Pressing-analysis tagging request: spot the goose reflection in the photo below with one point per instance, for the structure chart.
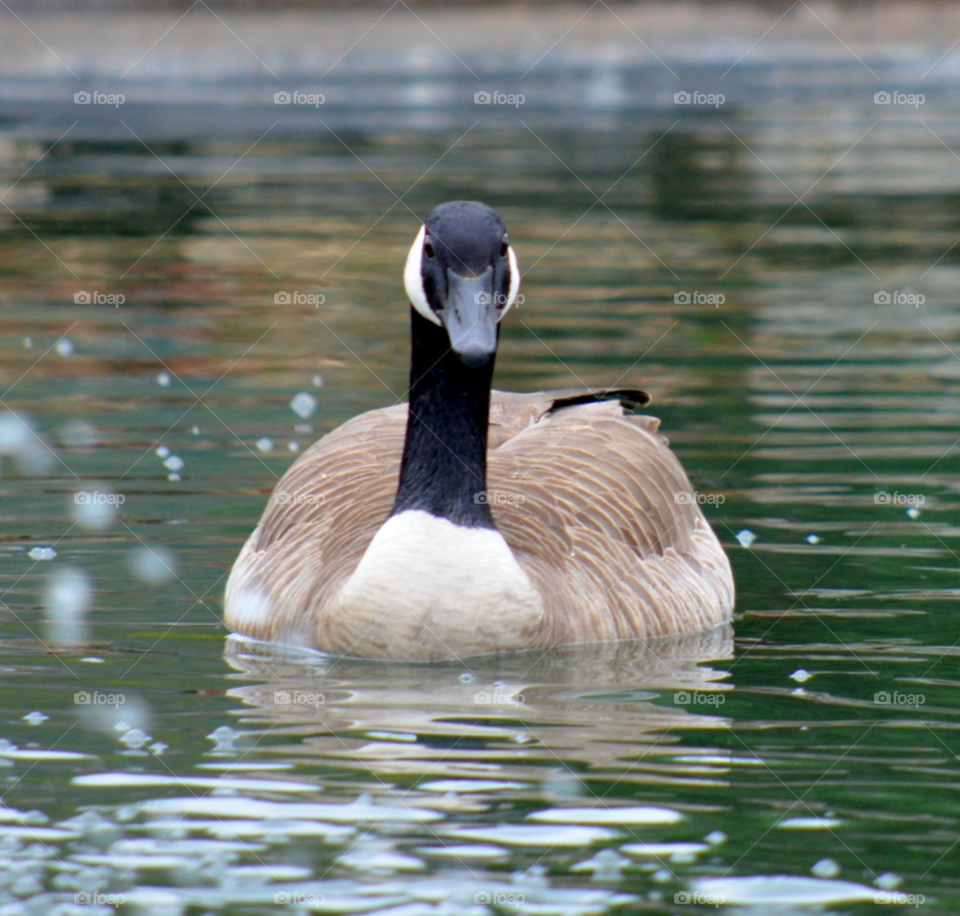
(537, 719)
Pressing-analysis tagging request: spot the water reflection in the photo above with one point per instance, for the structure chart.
(542, 720)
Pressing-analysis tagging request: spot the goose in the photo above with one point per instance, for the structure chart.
(472, 521)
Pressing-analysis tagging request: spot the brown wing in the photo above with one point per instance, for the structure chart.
(582, 492)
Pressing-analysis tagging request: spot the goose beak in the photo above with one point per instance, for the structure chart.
(470, 317)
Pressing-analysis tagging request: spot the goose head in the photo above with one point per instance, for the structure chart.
(462, 275)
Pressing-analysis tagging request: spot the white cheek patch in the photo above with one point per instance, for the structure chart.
(413, 279)
(514, 280)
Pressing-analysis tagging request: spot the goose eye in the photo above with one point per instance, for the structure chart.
(428, 251)
(504, 248)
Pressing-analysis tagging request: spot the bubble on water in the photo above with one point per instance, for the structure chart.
(223, 739)
(174, 478)
(92, 660)
(158, 748)
(64, 347)
(195, 430)
(28, 343)
(135, 738)
(79, 434)
(716, 838)
(745, 537)
(303, 404)
(67, 599)
(913, 512)
(467, 678)
(173, 463)
(164, 380)
(293, 446)
(825, 868)
(163, 451)
(606, 865)
(662, 876)
(813, 539)
(153, 564)
(42, 553)
(318, 381)
(35, 717)
(117, 719)
(798, 692)
(19, 441)
(888, 881)
(95, 508)
(265, 444)
(801, 676)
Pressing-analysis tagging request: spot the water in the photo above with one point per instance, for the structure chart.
(806, 755)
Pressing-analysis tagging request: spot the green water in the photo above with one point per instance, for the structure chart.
(857, 593)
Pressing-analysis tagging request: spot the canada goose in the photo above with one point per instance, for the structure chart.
(474, 521)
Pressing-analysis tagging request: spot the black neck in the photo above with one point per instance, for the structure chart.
(444, 465)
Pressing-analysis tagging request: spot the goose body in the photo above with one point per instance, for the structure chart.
(472, 521)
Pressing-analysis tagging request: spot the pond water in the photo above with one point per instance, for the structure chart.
(805, 362)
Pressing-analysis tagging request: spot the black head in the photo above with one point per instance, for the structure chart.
(462, 274)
